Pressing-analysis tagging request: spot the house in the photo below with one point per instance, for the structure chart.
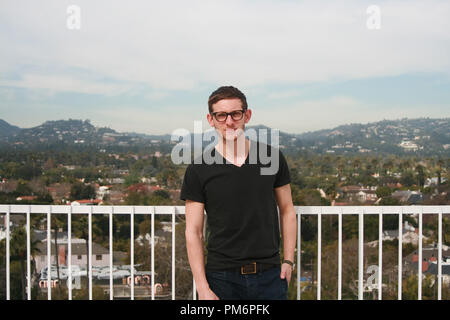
(433, 270)
(407, 196)
(362, 195)
(429, 261)
(161, 237)
(103, 191)
(335, 203)
(175, 194)
(433, 181)
(59, 192)
(15, 221)
(145, 180)
(394, 185)
(139, 188)
(87, 202)
(26, 198)
(100, 255)
(409, 234)
(116, 197)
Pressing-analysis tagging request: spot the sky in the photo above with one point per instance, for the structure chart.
(149, 66)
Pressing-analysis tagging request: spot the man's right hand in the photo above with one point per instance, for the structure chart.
(207, 294)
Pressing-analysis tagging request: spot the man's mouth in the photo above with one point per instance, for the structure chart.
(231, 133)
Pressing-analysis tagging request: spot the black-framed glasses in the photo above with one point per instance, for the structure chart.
(221, 116)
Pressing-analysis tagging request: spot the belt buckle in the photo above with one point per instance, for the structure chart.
(249, 268)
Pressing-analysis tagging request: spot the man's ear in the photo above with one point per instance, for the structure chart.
(210, 119)
(248, 115)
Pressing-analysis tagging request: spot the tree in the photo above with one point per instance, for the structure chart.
(420, 175)
(387, 166)
(57, 223)
(439, 163)
(389, 201)
(80, 228)
(23, 189)
(81, 191)
(19, 252)
(407, 179)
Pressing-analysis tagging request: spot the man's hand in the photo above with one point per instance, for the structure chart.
(207, 294)
(286, 272)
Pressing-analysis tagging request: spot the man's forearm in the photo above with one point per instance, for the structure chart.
(196, 256)
(289, 232)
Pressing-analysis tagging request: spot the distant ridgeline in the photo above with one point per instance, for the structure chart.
(421, 137)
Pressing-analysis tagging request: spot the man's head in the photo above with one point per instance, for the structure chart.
(228, 112)
(226, 92)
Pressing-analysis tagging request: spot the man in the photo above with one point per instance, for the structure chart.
(243, 259)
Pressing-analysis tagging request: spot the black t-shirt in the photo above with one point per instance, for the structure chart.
(240, 204)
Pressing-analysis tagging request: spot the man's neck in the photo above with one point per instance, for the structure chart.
(235, 151)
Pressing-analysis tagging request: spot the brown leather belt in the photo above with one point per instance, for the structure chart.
(253, 268)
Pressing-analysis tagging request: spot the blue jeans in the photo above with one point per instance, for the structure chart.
(231, 285)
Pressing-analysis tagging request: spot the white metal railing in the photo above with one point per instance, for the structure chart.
(361, 211)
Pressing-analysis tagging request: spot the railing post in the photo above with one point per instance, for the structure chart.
(299, 250)
(319, 253)
(380, 254)
(194, 290)
(400, 253)
(49, 255)
(8, 280)
(340, 255)
(173, 253)
(440, 254)
(361, 255)
(132, 252)
(153, 250)
(28, 253)
(69, 250)
(111, 254)
(90, 251)
(419, 262)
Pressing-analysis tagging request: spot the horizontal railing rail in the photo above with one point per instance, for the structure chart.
(173, 211)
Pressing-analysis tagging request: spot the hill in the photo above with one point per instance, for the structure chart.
(422, 136)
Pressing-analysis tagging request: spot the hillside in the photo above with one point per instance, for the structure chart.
(422, 136)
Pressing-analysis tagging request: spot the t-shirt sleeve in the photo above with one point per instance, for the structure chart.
(282, 177)
(192, 188)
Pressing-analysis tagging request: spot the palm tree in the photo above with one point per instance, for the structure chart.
(57, 223)
(387, 166)
(440, 163)
(356, 164)
(80, 227)
(19, 252)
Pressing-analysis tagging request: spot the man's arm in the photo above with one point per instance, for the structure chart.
(194, 245)
(288, 221)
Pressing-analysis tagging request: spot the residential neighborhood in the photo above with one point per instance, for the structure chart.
(141, 173)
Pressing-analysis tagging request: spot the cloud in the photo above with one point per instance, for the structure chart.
(148, 66)
(309, 115)
(66, 83)
(179, 45)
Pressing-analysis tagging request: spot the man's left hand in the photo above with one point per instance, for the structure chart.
(286, 272)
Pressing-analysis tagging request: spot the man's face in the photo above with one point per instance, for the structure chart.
(229, 129)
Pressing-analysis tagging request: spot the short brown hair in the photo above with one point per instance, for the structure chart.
(226, 92)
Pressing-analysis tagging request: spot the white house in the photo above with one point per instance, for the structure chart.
(99, 258)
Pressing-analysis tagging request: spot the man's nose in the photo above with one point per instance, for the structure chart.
(229, 119)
